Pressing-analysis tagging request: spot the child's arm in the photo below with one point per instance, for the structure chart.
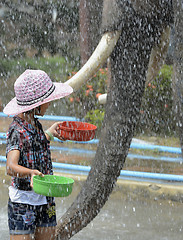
(54, 131)
(14, 169)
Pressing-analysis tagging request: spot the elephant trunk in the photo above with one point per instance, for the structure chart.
(129, 62)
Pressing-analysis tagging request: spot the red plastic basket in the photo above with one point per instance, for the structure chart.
(77, 131)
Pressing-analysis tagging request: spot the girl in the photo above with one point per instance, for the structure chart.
(30, 215)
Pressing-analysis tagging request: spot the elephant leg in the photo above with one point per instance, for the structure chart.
(178, 66)
(158, 55)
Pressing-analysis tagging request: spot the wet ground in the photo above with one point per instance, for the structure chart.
(123, 217)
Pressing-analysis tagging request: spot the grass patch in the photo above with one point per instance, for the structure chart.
(160, 140)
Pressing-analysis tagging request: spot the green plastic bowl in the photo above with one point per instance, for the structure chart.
(53, 186)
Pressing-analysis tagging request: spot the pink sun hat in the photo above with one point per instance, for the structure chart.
(34, 88)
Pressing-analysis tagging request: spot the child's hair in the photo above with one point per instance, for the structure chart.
(35, 111)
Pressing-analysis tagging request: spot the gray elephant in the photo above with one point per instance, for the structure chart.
(132, 29)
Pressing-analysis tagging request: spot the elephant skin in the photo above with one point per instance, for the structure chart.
(141, 24)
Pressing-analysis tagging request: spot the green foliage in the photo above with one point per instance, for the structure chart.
(5, 67)
(57, 67)
(166, 72)
(86, 98)
(95, 117)
(157, 113)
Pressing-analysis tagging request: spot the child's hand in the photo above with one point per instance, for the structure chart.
(55, 131)
(34, 173)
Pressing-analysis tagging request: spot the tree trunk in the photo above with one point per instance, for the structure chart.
(95, 12)
(84, 31)
(90, 14)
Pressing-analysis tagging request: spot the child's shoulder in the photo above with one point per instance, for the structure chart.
(15, 126)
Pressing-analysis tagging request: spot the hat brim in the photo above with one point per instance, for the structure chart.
(61, 90)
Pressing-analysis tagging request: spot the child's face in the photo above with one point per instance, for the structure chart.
(43, 109)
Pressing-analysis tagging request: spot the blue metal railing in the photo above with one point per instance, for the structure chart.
(133, 145)
(96, 141)
(78, 169)
(91, 153)
(50, 117)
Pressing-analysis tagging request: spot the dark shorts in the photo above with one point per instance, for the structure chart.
(23, 218)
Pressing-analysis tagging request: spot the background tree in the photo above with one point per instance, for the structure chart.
(42, 25)
(90, 14)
